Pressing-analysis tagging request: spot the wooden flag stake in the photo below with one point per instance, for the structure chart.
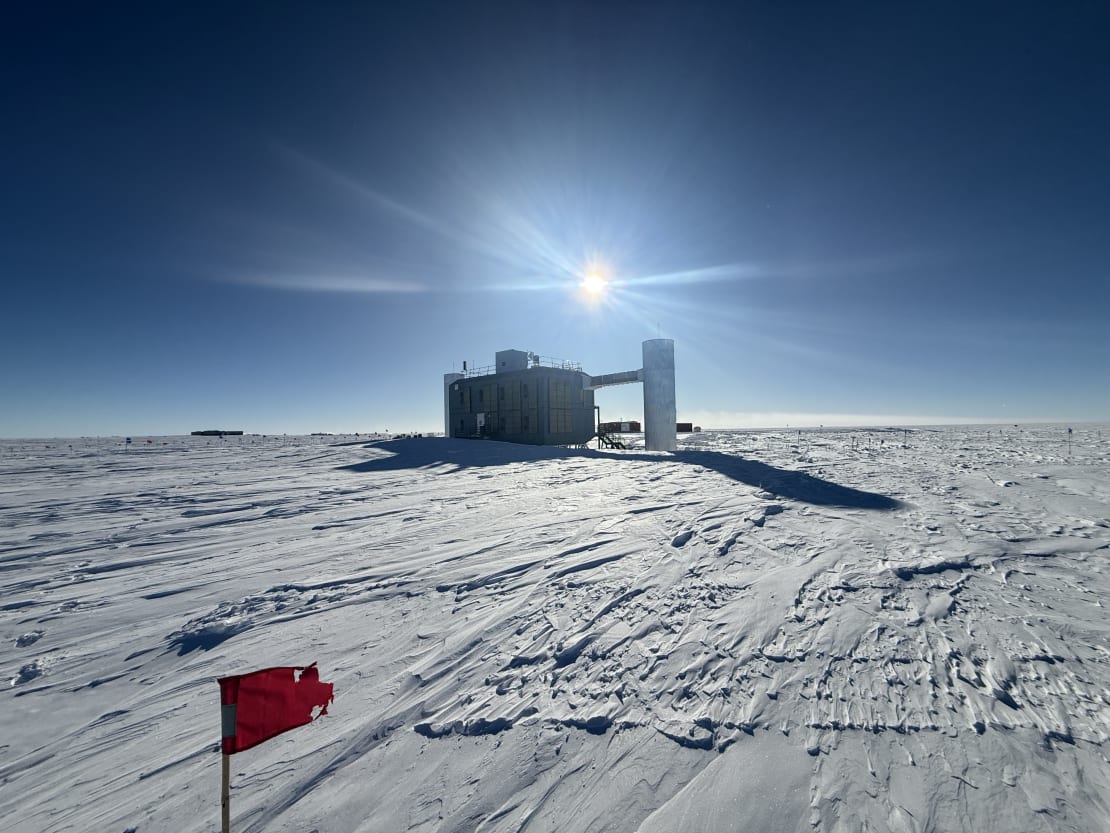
(225, 795)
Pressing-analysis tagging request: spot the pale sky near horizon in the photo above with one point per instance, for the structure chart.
(293, 218)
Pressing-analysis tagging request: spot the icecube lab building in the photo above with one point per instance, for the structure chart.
(524, 398)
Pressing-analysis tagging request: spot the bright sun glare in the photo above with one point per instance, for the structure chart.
(594, 284)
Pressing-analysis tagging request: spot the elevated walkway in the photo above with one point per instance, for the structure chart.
(625, 377)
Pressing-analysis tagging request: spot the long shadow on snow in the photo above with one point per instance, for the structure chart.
(462, 454)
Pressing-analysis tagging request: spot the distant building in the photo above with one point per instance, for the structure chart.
(217, 432)
(629, 427)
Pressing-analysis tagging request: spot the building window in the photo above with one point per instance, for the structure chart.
(524, 423)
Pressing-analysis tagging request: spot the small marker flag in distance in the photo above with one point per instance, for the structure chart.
(257, 706)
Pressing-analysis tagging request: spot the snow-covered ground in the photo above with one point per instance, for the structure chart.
(767, 631)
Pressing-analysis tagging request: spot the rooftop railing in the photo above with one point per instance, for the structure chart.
(533, 362)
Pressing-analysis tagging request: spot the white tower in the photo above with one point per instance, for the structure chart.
(660, 412)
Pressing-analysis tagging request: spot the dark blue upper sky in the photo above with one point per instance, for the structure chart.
(298, 218)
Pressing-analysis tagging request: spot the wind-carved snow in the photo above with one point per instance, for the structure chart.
(765, 631)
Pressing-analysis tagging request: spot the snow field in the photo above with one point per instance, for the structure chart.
(779, 631)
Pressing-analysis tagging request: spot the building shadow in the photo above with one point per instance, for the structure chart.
(449, 455)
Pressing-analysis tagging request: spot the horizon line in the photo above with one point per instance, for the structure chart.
(439, 433)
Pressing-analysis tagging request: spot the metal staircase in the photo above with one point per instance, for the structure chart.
(606, 440)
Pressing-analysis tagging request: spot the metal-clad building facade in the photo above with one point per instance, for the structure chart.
(522, 404)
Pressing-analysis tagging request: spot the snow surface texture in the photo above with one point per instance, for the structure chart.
(776, 631)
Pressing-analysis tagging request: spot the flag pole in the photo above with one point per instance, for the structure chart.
(225, 794)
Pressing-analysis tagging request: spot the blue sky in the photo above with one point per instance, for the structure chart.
(292, 218)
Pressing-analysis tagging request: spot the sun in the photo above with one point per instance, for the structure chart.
(594, 284)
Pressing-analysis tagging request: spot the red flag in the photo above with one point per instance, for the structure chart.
(259, 705)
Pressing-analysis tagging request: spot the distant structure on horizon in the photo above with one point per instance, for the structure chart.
(217, 432)
(630, 426)
(526, 398)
